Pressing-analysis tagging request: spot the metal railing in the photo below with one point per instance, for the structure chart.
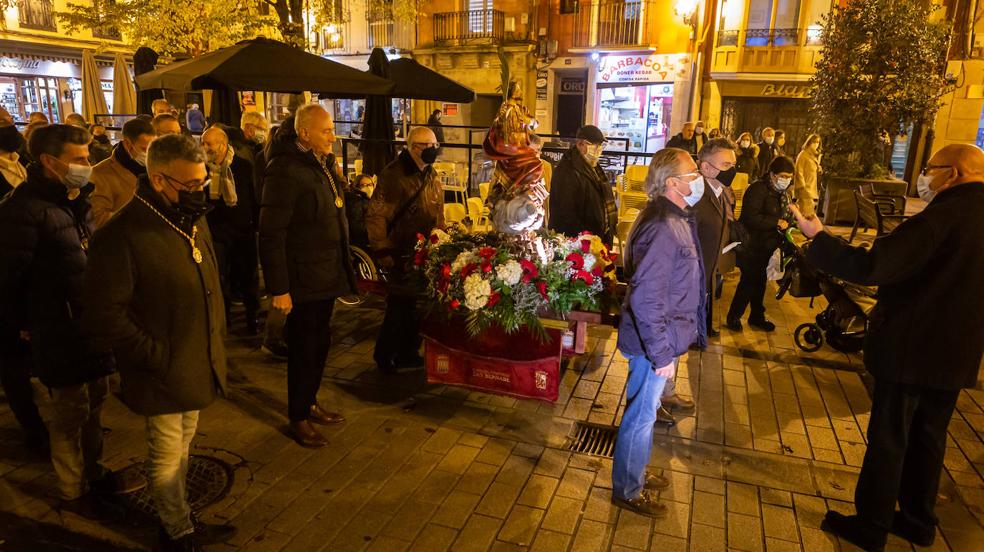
(768, 37)
(471, 25)
(613, 23)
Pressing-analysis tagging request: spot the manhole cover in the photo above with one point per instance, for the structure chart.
(209, 480)
(598, 440)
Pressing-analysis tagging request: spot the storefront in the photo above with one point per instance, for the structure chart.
(51, 87)
(752, 106)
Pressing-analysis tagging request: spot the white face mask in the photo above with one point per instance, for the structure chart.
(141, 158)
(260, 136)
(922, 188)
(696, 191)
(769, 140)
(746, 143)
(76, 177)
(593, 154)
(783, 183)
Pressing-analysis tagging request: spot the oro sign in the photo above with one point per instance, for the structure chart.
(643, 68)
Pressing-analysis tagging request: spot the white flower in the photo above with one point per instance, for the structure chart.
(477, 291)
(442, 237)
(462, 259)
(510, 272)
(589, 261)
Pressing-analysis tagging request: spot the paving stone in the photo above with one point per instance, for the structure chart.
(552, 462)
(677, 521)
(409, 520)
(592, 536)
(704, 538)
(495, 452)
(436, 486)
(477, 535)
(586, 389)
(499, 500)
(455, 509)
(633, 530)
(458, 459)
(776, 545)
(442, 440)
(388, 544)
(538, 491)
(709, 484)
(516, 470)
(521, 525)
(549, 541)
(477, 478)
(777, 497)
(708, 509)
(576, 483)
(743, 499)
(528, 450)
(473, 440)
(824, 455)
(779, 522)
(600, 507)
(563, 515)
(745, 532)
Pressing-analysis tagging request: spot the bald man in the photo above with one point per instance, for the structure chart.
(924, 344)
(304, 248)
(233, 222)
(408, 200)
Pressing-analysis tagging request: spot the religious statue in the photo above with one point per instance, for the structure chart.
(517, 191)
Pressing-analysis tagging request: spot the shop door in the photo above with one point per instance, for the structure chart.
(48, 92)
(570, 114)
(753, 114)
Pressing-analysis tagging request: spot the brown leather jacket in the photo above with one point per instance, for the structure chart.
(398, 183)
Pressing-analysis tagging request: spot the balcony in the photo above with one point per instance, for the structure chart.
(766, 51)
(472, 26)
(614, 23)
(384, 32)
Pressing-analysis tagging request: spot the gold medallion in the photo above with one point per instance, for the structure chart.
(196, 254)
(338, 202)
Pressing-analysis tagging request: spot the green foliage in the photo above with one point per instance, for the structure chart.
(171, 27)
(882, 67)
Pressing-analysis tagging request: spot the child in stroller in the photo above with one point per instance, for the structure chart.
(844, 322)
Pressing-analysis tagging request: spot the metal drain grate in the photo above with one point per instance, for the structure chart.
(598, 440)
(209, 480)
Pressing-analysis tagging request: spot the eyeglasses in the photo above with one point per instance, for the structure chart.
(928, 168)
(729, 165)
(694, 174)
(191, 185)
(425, 145)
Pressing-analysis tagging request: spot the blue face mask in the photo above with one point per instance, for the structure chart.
(696, 191)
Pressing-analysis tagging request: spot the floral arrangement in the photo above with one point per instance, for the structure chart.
(491, 278)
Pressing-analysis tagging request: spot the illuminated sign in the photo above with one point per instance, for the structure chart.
(786, 90)
(641, 68)
(19, 64)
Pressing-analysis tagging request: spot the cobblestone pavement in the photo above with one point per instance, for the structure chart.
(775, 440)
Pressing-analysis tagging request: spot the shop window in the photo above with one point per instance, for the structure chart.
(480, 18)
(36, 14)
(639, 114)
(772, 23)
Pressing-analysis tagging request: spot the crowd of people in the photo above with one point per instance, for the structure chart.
(127, 259)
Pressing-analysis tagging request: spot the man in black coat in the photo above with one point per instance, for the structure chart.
(45, 225)
(152, 293)
(304, 250)
(232, 222)
(924, 344)
(581, 197)
(687, 139)
(768, 150)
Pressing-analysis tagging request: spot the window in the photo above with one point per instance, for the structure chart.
(772, 22)
(479, 15)
(36, 14)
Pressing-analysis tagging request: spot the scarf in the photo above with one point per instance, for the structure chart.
(223, 184)
(12, 170)
(123, 158)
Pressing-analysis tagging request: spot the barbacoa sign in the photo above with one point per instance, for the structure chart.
(640, 68)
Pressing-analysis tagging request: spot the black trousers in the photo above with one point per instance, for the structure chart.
(399, 335)
(237, 260)
(751, 288)
(15, 376)
(906, 444)
(309, 335)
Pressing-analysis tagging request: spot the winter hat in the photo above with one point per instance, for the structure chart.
(782, 164)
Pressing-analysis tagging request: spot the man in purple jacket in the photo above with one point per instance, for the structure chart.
(663, 315)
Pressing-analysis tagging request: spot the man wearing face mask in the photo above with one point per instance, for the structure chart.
(45, 227)
(767, 150)
(256, 130)
(100, 148)
(152, 293)
(304, 248)
(115, 178)
(408, 200)
(581, 196)
(763, 215)
(232, 221)
(924, 343)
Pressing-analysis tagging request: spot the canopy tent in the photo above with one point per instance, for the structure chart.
(416, 82)
(377, 130)
(265, 65)
(93, 101)
(124, 96)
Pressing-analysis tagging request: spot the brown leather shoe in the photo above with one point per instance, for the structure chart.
(675, 401)
(644, 504)
(656, 482)
(664, 417)
(321, 416)
(306, 436)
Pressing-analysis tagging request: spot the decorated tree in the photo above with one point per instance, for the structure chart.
(882, 69)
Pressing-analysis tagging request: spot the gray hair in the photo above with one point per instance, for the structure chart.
(304, 115)
(174, 147)
(713, 146)
(252, 118)
(665, 163)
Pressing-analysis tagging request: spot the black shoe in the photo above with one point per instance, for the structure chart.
(277, 348)
(734, 324)
(908, 531)
(711, 332)
(763, 324)
(851, 529)
(210, 533)
(187, 543)
(252, 325)
(664, 417)
(93, 508)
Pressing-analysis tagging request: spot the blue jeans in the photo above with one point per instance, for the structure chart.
(635, 436)
(169, 438)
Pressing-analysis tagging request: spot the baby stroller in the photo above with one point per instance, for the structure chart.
(844, 323)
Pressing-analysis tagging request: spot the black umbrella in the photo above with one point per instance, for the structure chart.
(266, 65)
(377, 130)
(416, 82)
(144, 60)
(226, 108)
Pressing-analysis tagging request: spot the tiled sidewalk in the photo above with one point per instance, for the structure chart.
(775, 440)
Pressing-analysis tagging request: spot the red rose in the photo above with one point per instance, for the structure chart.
(542, 288)
(420, 237)
(584, 276)
(446, 271)
(577, 260)
(596, 271)
(433, 238)
(467, 269)
(420, 257)
(487, 252)
(486, 266)
(529, 270)
(586, 246)
(493, 299)
(455, 304)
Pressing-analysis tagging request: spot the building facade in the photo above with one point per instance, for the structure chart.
(41, 65)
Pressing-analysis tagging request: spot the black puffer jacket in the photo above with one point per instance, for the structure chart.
(762, 207)
(43, 242)
(304, 243)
